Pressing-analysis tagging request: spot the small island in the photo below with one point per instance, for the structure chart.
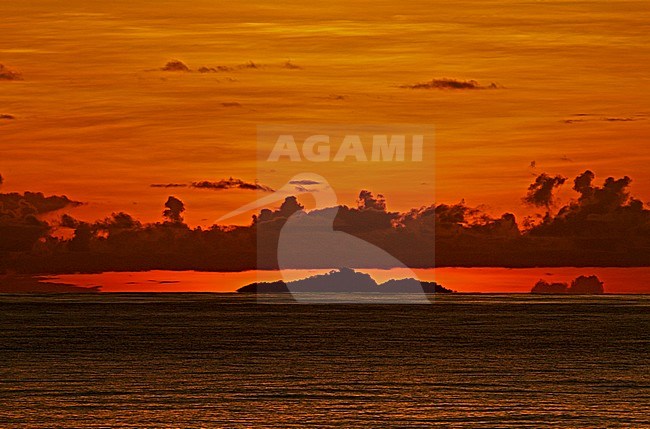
(583, 285)
(345, 280)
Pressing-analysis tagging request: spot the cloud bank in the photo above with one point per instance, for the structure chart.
(602, 226)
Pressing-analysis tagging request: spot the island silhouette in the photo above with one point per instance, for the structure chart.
(582, 285)
(344, 280)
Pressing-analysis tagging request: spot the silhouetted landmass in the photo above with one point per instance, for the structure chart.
(29, 284)
(582, 285)
(344, 280)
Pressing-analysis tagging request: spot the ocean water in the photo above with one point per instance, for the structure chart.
(210, 361)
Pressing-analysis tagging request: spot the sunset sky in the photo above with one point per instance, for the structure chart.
(87, 111)
(97, 120)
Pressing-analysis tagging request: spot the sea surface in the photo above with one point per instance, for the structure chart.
(225, 360)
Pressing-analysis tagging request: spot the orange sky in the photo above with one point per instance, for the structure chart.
(94, 122)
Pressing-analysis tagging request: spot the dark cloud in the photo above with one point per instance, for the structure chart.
(174, 209)
(249, 65)
(231, 183)
(123, 221)
(622, 119)
(367, 201)
(175, 66)
(217, 69)
(21, 225)
(68, 221)
(540, 193)
(2, 180)
(590, 117)
(605, 222)
(231, 104)
(450, 84)
(7, 116)
(291, 66)
(34, 203)
(7, 74)
(168, 185)
(602, 226)
(304, 182)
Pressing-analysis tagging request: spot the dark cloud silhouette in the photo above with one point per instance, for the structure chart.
(20, 223)
(231, 104)
(602, 226)
(590, 117)
(174, 210)
(168, 185)
(123, 221)
(605, 225)
(540, 193)
(622, 119)
(217, 69)
(34, 203)
(1, 180)
(450, 84)
(291, 66)
(231, 183)
(175, 66)
(7, 116)
(249, 65)
(68, 221)
(304, 182)
(7, 74)
(367, 201)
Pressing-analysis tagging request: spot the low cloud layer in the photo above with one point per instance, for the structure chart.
(603, 225)
(589, 117)
(219, 185)
(179, 66)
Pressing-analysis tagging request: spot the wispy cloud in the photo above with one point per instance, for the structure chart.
(231, 183)
(168, 185)
(446, 83)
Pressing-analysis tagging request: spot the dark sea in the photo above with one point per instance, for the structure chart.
(224, 360)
